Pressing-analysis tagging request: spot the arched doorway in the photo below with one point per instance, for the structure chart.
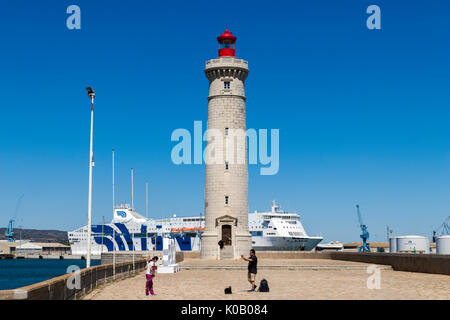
(226, 234)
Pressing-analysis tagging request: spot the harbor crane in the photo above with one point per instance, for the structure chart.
(9, 232)
(442, 230)
(364, 233)
(388, 233)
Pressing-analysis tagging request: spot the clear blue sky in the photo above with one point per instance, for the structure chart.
(363, 114)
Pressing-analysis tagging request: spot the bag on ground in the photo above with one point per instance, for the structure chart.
(228, 290)
(263, 286)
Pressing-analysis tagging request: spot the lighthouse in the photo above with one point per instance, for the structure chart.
(226, 182)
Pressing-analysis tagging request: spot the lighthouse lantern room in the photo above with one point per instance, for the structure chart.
(227, 44)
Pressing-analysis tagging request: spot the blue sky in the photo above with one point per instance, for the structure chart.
(363, 114)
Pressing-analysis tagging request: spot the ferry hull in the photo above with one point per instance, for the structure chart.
(285, 244)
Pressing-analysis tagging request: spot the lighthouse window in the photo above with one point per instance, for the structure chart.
(226, 85)
(227, 44)
(226, 131)
(226, 165)
(226, 199)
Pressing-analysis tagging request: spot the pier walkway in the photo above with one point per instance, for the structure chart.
(288, 279)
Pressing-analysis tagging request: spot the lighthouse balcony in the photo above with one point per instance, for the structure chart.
(226, 62)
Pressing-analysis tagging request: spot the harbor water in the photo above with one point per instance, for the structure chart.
(16, 273)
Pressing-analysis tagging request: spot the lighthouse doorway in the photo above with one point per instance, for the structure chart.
(226, 234)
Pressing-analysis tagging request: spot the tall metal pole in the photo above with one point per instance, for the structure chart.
(103, 234)
(146, 212)
(20, 243)
(132, 190)
(146, 200)
(132, 206)
(91, 165)
(114, 219)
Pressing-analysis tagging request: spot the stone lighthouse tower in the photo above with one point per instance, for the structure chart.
(226, 181)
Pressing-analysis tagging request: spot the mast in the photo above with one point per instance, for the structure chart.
(146, 199)
(91, 95)
(132, 190)
(103, 234)
(146, 213)
(114, 227)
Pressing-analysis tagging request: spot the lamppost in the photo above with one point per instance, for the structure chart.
(91, 95)
(132, 190)
(20, 241)
(132, 208)
(146, 213)
(114, 220)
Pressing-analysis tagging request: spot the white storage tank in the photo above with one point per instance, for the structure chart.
(443, 245)
(393, 245)
(413, 244)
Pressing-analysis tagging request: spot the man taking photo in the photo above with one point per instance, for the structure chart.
(252, 268)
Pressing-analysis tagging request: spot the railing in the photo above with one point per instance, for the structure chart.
(226, 62)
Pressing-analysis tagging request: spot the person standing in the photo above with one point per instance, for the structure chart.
(149, 275)
(252, 268)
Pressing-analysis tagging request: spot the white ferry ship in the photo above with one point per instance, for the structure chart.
(128, 231)
(279, 230)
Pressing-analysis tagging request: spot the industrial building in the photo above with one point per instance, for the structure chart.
(27, 247)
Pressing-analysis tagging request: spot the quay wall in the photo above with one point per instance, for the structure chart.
(273, 255)
(58, 289)
(292, 255)
(425, 263)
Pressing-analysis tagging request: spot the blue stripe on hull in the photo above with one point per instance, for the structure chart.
(159, 243)
(184, 243)
(126, 235)
(107, 242)
(108, 231)
(144, 240)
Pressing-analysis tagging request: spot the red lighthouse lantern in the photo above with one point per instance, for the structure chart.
(227, 44)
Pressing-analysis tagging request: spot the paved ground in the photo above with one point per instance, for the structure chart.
(337, 283)
(276, 264)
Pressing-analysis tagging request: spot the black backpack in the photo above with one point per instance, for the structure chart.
(263, 286)
(227, 290)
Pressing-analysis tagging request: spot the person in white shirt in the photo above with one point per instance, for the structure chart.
(149, 275)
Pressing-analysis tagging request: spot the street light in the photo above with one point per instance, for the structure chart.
(132, 190)
(91, 95)
(146, 214)
(114, 220)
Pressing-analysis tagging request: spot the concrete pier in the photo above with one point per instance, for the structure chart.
(289, 279)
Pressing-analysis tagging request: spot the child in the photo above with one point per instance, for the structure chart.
(150, 274)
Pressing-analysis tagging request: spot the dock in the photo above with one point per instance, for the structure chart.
(288, 279)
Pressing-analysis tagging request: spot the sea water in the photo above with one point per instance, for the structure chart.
(16, 273)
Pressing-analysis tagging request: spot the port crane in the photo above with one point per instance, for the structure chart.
(388, 233)
(442, 230)
(9, 232)
(364, 233)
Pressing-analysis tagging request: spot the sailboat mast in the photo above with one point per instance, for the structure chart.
(132, 190)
